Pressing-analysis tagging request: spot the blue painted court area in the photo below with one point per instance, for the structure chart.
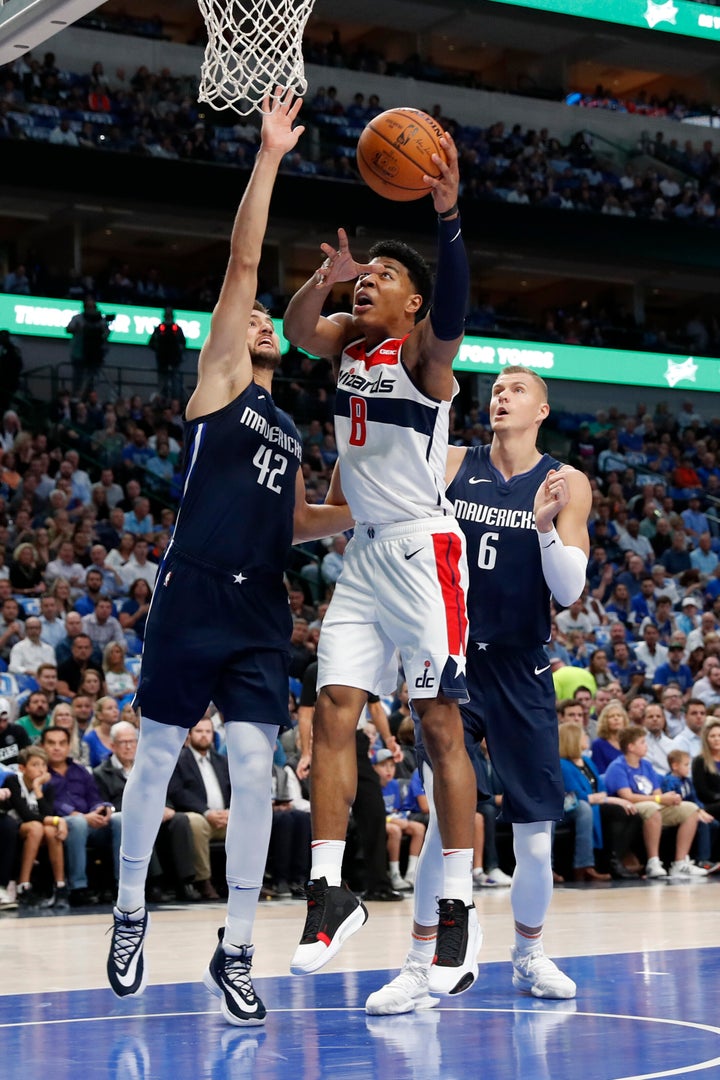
(636, 1016)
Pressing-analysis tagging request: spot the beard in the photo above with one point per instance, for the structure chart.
(264, 360)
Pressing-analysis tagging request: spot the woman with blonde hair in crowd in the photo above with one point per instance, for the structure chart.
(594, 812)
(98, 738)
(62, 717)
(119, 682)
(62, 591)
(26, 576)
(706, 767)
(606, 747)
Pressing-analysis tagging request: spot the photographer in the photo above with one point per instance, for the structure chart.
(90, 330)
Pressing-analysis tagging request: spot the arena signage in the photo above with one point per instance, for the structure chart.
(671, 16)
(576, 363)
(42, 317)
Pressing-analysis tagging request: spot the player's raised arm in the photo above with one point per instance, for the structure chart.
(564, 495)
(304, 324)
(434, 343)
(224, 367)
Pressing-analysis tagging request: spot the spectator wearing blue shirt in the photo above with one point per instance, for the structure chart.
(626, 669)
(397, 823)
(633, 778)
(139, 521)
(694, 519)
(680, 780)
(703, 558)
(674, 671)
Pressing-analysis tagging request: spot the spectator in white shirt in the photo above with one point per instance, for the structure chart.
(66, 567)
(689, 738)
(659, 744)
(650, 651)
(138, 565)
(27, 655)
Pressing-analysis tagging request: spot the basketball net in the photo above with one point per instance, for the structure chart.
(254, 47)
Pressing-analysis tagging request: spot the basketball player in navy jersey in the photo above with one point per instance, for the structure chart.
(219, 623)
(524, 516)
(404, 572)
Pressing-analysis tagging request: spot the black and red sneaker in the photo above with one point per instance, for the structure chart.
(333, 915)
(454, 966)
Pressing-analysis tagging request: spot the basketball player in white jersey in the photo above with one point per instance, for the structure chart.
(403, 582)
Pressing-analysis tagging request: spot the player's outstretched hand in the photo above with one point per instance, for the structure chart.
(445, 187)
(551, 497)
(279, 114)
(339, 264)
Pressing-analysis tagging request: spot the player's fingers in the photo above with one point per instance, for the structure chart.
(343, 242)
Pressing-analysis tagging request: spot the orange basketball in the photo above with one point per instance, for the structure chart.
(395, 151)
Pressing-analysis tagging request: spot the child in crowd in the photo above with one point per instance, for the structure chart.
(398, 823)
(679, 779)
(31, 803)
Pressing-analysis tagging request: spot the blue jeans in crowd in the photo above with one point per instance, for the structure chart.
(80, 837)
(581, 816)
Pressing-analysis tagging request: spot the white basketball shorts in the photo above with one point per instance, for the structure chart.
(401, 591)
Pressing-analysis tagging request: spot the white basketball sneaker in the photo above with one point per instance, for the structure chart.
(686, 869)
(407, 992)
(536, 974)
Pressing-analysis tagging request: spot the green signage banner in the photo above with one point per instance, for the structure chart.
(577, 363)
(41, 317)
(671, 17)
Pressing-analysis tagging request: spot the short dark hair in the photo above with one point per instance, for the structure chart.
(417, 268)
(54, 728)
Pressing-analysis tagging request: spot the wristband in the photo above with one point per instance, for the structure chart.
(448, 213)
(563, 567)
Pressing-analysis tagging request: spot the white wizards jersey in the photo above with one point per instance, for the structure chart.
(392, 439)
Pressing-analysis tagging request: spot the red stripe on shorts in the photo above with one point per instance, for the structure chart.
(448, 551)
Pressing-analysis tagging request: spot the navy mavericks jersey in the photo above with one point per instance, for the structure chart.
(238, 499)
(508, 601)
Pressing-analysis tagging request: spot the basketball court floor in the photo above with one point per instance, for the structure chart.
(645, 956)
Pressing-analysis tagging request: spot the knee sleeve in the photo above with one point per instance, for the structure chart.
(532, 882)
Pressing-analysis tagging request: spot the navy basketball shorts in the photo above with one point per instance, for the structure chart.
(211, 638)
(512, 706)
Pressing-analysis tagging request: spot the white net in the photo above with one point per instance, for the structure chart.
(254, 47)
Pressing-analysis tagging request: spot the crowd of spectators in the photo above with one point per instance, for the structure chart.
(673, 106)
(82, 531)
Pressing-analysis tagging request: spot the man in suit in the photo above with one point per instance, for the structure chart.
(175, 833)
(200, 787)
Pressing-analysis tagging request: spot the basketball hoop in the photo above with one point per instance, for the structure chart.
(254, 47)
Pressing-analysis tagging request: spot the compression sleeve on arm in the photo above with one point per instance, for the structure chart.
(563, 567)
(452, 282)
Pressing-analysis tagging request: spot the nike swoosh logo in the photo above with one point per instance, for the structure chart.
(240, 1001)
(129, 977)
(413, 553)
(478, 480)
(539, 671)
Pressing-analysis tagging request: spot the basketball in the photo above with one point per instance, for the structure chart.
(395, 151)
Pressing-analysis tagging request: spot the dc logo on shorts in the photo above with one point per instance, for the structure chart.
(166, 582)
(425, 680)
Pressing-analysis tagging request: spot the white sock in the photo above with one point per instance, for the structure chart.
(525, 944)
(394, 869)
(457, 874)
(422, 949)
(327, 859)
(412, 865)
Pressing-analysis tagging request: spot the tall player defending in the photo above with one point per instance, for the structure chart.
(507, 499)
(219, 625)
(404, 574)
